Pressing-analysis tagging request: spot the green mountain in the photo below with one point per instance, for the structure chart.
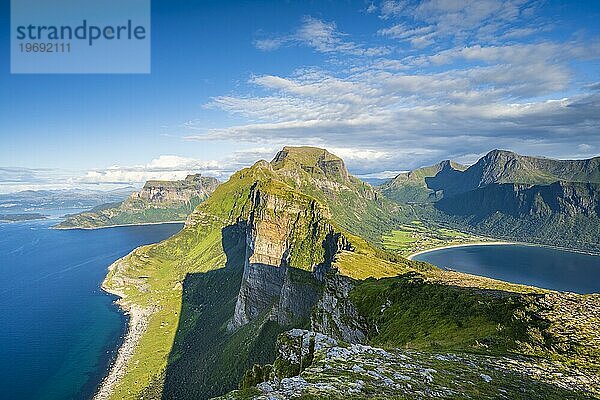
(294, 244)
(563, 214)
(509, 196)
(157, 201)
(500, 166)
(411, 187)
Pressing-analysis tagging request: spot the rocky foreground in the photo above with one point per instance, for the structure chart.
(334, 369)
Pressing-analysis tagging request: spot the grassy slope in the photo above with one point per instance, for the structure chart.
(153, 276)
(191, 278)
(132, 212)
(412, 187)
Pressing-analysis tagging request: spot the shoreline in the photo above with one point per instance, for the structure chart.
(450, 246)
(115, 226)
(501, 243)
(137, 325)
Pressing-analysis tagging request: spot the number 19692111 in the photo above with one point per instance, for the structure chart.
(45, 47)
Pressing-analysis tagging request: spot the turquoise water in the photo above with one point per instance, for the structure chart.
(58, 330)
(530, 265)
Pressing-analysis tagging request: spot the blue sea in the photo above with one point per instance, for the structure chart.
(58, 331)
(530, 265)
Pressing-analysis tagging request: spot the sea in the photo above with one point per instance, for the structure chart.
(539, 266)
(59, 332)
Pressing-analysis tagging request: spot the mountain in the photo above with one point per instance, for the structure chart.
(281, 263)
(500, 166)
(41, 200)
(510, 196)
(157, 201)
(563, 214)
(412, 187)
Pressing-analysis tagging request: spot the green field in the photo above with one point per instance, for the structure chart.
(417, 236)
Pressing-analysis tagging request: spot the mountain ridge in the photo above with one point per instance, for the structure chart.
(273, 249)
(157, 201)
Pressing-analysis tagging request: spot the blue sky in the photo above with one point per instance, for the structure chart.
(388, 85)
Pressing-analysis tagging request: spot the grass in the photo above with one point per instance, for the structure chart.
(416, 236)
(409, 312)
(176, 279)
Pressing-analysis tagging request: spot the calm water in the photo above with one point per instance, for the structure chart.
(58, 330)
(530, 265)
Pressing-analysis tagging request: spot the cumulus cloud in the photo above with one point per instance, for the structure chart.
(452, 80)
(399, 119)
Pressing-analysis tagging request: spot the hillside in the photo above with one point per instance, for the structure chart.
(292, 243)
(509, 196)
(157, 201)
(500, 166)
(411, 187)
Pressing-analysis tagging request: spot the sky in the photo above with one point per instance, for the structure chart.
(387, 85)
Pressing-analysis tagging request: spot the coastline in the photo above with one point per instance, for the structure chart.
(116, 226)
(450, 246)
(136, 327)
(501, 243)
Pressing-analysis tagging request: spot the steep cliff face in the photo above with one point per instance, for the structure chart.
(157, 201)
(335, 315)
(193, 186)
(566, 199)
(290, 242)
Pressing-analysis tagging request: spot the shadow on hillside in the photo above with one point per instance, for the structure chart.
(206, 360)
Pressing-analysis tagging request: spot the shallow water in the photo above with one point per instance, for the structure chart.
(58, 330)
(530, 265)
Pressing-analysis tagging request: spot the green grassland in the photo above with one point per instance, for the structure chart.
(418, 236)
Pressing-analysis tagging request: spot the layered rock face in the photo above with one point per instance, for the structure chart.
(158, 201)
(335, 315)
(177, 191)
(289, 245)
(567, 199)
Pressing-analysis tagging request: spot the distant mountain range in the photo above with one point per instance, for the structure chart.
(157, 201)
(40, 200)
(512, 196)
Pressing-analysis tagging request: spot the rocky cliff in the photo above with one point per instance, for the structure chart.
(249, 264)
(417, 341)
(157, 201)
(193, 186)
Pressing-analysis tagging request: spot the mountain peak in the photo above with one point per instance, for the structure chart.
(314, 160)
(499, 153)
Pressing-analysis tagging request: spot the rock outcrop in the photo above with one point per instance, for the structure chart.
(193, 186)
(157, 201)
(319, 366)
(290, 244)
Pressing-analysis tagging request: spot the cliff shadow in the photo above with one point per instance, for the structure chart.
(206, 359)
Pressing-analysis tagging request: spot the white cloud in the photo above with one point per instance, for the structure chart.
(459, 20)
(323, 37)
(484, 80)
